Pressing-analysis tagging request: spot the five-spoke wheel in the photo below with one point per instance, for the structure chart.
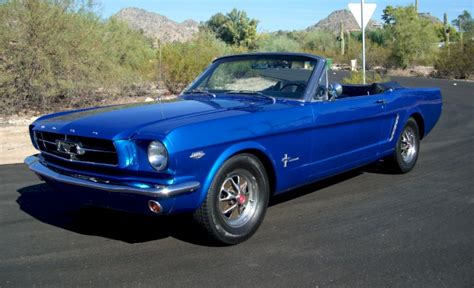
(408, 145)
(237, 198)
(236, 201)
(407, 148)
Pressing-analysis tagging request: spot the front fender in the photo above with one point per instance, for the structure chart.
(226, 154)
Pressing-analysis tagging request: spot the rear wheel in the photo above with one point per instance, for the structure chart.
(407, 149)
(236, 201)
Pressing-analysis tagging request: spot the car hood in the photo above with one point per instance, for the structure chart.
(124, 121)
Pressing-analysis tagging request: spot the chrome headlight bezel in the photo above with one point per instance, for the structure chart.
(157, 155)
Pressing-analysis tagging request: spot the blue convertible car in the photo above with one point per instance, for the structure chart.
(250, 126)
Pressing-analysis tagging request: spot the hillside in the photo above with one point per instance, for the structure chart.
(158, 26)
(333, 21)
(431, 18)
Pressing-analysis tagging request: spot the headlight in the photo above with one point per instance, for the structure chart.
(157, 155)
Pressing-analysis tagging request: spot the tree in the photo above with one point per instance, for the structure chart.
(414, 38)
(234, 28)
(387, 15)
(465, 24)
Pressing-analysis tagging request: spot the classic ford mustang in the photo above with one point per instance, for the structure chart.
(249, 127)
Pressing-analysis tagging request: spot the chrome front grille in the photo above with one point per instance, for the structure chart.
(76, 148)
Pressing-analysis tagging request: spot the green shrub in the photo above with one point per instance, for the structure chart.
(59, 53)
(181, 63)
(414, 37)
(456, 61)
(320, 41)
(356, 77)
(377, 56)
(277, 43)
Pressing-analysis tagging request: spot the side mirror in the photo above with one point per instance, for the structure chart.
(335, 90)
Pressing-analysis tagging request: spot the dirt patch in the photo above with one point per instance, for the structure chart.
(419, 71)
(15, 142)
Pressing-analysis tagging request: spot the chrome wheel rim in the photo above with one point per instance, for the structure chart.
(238, 198)
(408, 145)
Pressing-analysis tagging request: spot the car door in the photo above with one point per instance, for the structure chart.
(347, 132)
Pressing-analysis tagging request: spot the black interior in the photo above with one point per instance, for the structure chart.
(369, 89)
(287, 89)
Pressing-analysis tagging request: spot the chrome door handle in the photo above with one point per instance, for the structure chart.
(381, 101)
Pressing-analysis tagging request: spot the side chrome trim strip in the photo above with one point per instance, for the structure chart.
(394, 128)
(36, 166)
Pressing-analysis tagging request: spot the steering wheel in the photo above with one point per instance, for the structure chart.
(298, 85)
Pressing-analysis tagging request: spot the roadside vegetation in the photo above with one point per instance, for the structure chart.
(356, 77)
(57, 54)
(61, 54)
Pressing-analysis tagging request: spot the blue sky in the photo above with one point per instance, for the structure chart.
(274, 14)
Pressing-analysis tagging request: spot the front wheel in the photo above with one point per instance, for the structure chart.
(236, 201)
(407, 149)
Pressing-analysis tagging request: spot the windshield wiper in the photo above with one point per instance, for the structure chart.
(257, 93)
(199, 91)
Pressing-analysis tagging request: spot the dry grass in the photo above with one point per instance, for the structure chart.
(15, 142)
(419, 71)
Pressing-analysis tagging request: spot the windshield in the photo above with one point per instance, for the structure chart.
(282, 76)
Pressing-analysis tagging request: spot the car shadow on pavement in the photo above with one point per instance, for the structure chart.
(49, 206)
(313, 187)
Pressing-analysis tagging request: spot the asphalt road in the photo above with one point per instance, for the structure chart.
(362, 229)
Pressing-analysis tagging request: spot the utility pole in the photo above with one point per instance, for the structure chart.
(363, 39)
(416, 6)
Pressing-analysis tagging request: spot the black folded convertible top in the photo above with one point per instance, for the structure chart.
(349, 90)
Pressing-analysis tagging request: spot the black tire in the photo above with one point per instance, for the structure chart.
(406, 154)
(241, 222)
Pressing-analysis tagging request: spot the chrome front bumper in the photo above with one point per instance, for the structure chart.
(157, 191)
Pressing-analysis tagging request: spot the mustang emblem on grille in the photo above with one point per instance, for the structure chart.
(71, 148)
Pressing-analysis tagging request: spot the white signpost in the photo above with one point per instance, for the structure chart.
(362, 13)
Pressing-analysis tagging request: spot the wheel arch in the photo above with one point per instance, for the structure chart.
(267, 164)
(420, 122)
(252, 148)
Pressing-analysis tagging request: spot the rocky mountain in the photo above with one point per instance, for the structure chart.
(332, 22)
(431, 18)
(158, 26)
